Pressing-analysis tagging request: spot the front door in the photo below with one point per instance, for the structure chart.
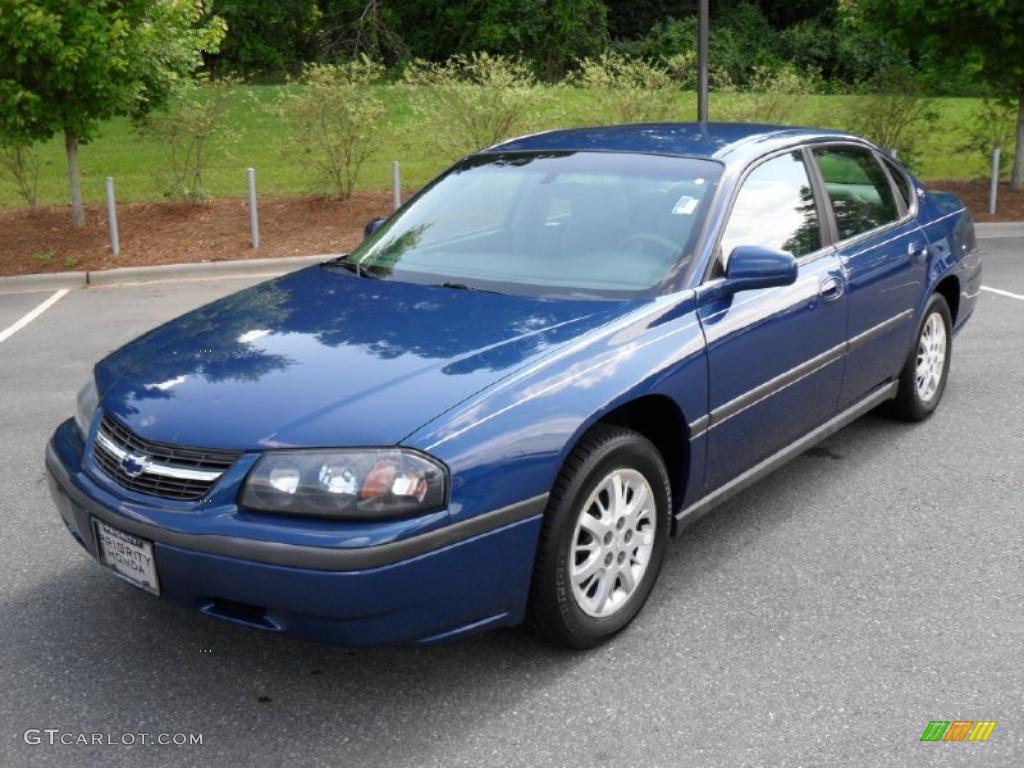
(775, 355)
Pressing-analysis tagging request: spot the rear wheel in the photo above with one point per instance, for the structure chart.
(603, 539)
(923, 378)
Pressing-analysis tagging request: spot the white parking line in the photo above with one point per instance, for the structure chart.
(10, 330)
(990, 290)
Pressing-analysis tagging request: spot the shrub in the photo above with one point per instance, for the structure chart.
(636, 90)
(472, 101)
(336, 119)
(995, 125)
(19, 161)
(186, 127)
(771, 96)
(892, 112)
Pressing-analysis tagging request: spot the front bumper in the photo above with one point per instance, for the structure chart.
(425, 588)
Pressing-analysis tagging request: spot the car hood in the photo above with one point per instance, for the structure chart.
(321, 358)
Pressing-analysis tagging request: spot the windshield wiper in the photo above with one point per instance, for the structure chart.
(463, 287)
(354, 267)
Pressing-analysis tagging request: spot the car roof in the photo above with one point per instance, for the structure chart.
(715, 141)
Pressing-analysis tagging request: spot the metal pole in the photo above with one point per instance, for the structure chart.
(396, 186)
(115, 241)
(993, 188)
(702, 61)
(254, 218)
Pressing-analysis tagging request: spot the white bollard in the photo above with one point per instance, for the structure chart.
(115, 241)
(993, 186)
(254, 219)
(396, 186)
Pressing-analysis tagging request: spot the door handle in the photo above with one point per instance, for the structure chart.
(916, 250)
(830, 289)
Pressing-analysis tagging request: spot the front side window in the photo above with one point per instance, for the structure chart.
(588, 224)
(775, 208)
(858, 188)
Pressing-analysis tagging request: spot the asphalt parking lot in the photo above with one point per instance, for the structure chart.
(822, 618)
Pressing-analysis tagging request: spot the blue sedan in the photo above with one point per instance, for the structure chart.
(505, 403)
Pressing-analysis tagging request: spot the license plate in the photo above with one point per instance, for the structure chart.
(128, 556)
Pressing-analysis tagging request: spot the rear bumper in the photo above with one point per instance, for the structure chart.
(432, 589)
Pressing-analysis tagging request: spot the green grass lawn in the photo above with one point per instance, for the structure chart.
(135, 160)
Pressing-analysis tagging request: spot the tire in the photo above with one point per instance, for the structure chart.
(565, 605)
(916, 401)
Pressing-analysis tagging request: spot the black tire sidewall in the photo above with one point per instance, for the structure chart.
(628, 451)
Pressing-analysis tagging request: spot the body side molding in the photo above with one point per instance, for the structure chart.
(696, 510)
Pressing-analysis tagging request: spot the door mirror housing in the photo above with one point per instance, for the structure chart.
(751, 267)
(372, 226)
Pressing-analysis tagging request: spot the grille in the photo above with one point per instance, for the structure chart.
(170, 471)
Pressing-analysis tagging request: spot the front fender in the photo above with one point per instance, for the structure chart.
(509, 442)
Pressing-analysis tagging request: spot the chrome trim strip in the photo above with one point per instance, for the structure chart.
(153, 468)
(793, 375)
(699, 426)
(699, 508)
(876, 330)
(773, 386)
(298, 555)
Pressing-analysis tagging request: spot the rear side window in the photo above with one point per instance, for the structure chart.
(775, 208)
(860, 192)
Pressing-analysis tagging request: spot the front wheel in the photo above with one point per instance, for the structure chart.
(603, 539)
(923, 378)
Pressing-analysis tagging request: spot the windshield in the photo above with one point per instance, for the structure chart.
(600, 224)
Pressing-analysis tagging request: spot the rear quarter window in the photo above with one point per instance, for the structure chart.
(902, 181)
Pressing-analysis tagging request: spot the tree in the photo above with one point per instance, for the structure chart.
(267, 37)
(67, 65)
(986, 35)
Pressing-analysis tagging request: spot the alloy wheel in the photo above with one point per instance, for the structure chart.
(931, 357)
(612, 543)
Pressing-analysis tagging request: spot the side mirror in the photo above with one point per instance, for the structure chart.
(751, 267)
(372, 226)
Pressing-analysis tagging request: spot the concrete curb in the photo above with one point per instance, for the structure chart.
(202, 270)
(50, 281)
(1000, 229)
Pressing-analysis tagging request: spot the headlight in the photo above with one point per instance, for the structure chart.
(356, 484)
(88, 400)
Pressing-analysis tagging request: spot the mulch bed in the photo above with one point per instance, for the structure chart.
(1009, 204)
(167, 233)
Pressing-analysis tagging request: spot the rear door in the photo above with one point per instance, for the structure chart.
(883, 252)
(774, 355)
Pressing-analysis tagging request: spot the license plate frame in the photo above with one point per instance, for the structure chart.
(128, 556)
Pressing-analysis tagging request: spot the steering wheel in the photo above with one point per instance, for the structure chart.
(668, 247)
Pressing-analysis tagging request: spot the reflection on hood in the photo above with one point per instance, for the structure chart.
(324, 358)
